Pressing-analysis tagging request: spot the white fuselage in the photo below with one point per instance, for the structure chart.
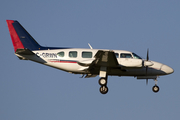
(69, 59)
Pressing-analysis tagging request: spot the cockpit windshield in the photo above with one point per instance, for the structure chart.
(136, 56)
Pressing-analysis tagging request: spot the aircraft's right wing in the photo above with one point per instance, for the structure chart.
(105, 59)
(102, 59)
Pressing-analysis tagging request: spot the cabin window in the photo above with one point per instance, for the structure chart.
(126, 55)
(60, 54)
(136, 56)
(117, 55)
(86, 54)
(73, 54)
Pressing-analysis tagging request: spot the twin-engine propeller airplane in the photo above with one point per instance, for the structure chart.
(89, 62)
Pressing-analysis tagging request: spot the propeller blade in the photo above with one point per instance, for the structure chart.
(147, 55)
(146, 81)
(147, 59)
(146, 75)
(146, 70)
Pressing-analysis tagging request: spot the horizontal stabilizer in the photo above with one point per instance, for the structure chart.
(24, 52)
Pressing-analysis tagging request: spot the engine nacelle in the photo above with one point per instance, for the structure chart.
(131, 62)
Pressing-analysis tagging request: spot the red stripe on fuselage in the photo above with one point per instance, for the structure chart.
(62, 61)
(14, 37)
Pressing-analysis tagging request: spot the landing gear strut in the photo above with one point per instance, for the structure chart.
(103, 82)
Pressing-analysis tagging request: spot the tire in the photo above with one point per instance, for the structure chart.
(103, 89)
(155, 89)
(102, 81)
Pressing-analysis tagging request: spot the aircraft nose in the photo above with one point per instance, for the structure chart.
(167, 69)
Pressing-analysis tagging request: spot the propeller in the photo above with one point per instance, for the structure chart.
(147, 63)
(146, 81)
(147, 59)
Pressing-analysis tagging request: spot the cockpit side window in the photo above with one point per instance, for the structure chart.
(136, 56)
(126, 55)
(117, 55)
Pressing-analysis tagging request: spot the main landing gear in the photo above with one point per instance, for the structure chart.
(103, 83)
(155, 88)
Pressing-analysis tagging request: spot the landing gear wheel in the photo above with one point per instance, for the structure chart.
(103, 89)
(155, 88)
(102, 81)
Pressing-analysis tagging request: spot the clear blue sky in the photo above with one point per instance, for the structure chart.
(31, 91)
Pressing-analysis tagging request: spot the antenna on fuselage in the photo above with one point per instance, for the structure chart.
(90, 46)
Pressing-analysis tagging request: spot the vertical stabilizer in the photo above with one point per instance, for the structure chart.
(21, 39)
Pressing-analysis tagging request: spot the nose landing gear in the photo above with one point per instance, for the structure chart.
(155, 88)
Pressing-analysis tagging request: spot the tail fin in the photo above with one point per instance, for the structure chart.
(21, 39)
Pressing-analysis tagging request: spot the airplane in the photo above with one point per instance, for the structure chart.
(87, 62)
